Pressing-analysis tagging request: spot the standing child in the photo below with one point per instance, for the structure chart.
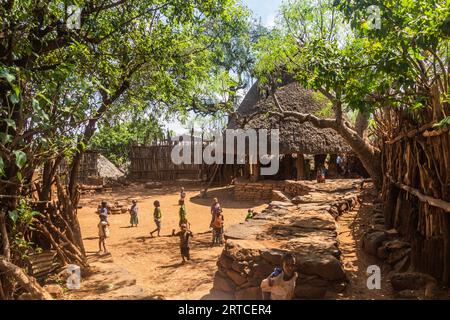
(157, 217)
(134, 214)
(184, 235)
(218, 228)
(280, 285)
(182, 213)
(103, 233)
(182, 194)
(104, 210)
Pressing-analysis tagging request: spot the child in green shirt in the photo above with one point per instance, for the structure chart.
(182, 213)
(157, 218)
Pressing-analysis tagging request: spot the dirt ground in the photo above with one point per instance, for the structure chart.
(155, 262)
(351, 226)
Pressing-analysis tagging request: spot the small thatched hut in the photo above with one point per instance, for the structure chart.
(296, 139)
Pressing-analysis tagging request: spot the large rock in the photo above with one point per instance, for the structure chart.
(372, 241)
(327, 267)
(243, 250)
(309, 292)
(261, 270)
(225, 261)
(411, 281)
(396, 244)
(314, 244)
(222, 283)
(252, 293)
(403, 264)
(315, 220)
(247, 230)
(240, 266)
(218, 295)
(397, 255)
(279, 196)
(273, 256)
(238, 278)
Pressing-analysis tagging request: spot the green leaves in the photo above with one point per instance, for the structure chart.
(443, 123)
(5, 74)
(21, 158)
(10, 123)
(2, 167)
(14, 215)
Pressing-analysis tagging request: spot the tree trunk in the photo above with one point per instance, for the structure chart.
(370, 157)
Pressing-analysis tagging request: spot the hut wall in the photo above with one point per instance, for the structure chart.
(416, 193)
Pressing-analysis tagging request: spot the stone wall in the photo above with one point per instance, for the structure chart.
(254, 248)
(246, 190)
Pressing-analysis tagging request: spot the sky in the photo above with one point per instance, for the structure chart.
(264, 9)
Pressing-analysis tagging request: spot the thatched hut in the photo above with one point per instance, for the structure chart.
(296, 139)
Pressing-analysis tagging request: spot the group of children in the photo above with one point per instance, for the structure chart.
(279, 285)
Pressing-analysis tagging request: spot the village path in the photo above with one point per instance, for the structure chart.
(350, 228)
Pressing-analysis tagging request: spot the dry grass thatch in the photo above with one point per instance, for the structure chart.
(294, 137)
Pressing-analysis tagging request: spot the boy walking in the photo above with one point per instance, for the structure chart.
(157, 218)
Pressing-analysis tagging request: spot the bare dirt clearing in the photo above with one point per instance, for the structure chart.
(155, 262)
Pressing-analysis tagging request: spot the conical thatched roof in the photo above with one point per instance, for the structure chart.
(294, 137)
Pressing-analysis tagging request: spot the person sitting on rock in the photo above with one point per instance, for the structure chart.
(280, 285)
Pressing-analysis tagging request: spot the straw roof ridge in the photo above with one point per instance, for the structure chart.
(295, 137)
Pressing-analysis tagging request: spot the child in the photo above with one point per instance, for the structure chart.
(134, 214)
(280, 285)
(320, 176)
(182, 213)
(184, 235)
(217, 228)
(249, 215)
(103, 233)
(215, 207)
(157, 218)
(182, 194)
(104, 210)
